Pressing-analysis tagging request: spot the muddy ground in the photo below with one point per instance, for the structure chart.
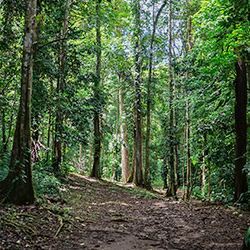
(101, 215)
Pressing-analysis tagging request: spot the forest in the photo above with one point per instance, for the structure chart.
(149, 93)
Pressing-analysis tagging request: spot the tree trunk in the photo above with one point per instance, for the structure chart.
(176, 167)
(189, 166)
(17, 187)
(124, 144)
(177, 146)
(131, 175)
(184, 164)
(147, 183)
(209, 182)
(137, 174)
(91, 143)
(57, 157)
(171, 191)
(203, 175)
(115, 143)
(240, 128)
(48, 137)
(95, 172)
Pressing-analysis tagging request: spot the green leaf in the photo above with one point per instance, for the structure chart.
(247, 237)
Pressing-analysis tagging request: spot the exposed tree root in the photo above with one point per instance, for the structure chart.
(18, 226)
(60, 226)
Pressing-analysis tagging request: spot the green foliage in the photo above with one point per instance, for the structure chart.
(247, 238)
(222, 195)
(4, 165)
(197, 192)
(158, 183)
(45, 182)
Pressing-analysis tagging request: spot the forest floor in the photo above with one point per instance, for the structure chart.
(102, 215)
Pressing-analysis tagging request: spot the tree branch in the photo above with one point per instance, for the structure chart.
(53, 41)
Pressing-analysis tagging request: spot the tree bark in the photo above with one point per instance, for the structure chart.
(189, 165)
(177, 146)
(95, 172)
(61, 83)
(124, 144)
(171, 191)
(48, 137)
(17, 187)
(137, 175)
(240, 185)
(131, 175)
(184, 164)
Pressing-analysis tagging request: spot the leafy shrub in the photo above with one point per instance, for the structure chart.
(198, 193)
(45, 182)
(223, 195)
(65, 169)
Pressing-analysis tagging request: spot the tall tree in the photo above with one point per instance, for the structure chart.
(172, 184)
(137, 151)
(188, 50)
(61, 84)
(95, 172)
(17, 187)
(147, 183)
(240, 127)
(242, 14)
(124, 139)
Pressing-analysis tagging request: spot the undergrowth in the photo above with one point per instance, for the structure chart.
(46, 182)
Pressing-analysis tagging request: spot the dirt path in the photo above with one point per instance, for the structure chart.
(101, 215)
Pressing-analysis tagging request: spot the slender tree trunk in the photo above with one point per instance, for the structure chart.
(208, 182)
(171, 185)
(147, 183)
(184, 164)
(203, 175)
(57, 157)
(240, 128)
(95, 172)
(189, 165)
(115, 144)
(177, 146)
(124, 144)
(17, 187)
(165, 155)
(48, 137)
(176, 167)
(131, 175)
(137, 173)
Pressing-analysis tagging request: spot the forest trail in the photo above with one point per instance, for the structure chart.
(102, 215)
